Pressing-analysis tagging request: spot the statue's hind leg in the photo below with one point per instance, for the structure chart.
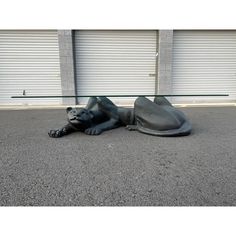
(162, 101)
(108, 107)
(105, 100)
(91, 103)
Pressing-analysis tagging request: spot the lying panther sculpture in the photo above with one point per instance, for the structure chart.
(158, 118)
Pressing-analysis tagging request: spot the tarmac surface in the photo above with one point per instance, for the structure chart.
(118, 167)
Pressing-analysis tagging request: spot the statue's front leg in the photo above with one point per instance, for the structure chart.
(107, 125)
(57, 133)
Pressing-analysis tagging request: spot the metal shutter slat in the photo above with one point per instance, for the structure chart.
(29, 60)
(204, 62)
(115, 62)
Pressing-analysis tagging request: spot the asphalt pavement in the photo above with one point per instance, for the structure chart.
(118, 167)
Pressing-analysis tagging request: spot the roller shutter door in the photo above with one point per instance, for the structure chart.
(115, 62)
(29, 60)
(204, 62)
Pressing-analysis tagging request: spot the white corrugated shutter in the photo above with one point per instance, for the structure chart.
(29, 60)
(115, 62)
(204, 62)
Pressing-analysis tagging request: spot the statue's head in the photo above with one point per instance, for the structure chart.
(80, 118)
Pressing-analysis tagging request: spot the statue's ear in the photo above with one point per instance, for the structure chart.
(68, 109)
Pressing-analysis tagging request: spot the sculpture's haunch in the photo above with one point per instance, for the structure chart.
(158, 118)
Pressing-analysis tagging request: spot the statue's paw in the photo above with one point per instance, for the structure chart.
(55, 133)
(131, 127)
(93, 131)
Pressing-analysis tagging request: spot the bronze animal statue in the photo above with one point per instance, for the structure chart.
(158, 118)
